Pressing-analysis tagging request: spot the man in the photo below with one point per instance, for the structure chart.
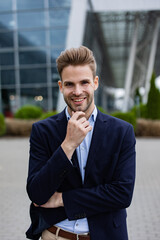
(82, 162)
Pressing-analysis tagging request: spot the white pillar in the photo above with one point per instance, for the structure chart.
(151, 59)
(16, 58)
(75, 34)
(130, 67)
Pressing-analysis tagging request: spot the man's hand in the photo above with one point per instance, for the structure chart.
(77, 129)
(54, 202)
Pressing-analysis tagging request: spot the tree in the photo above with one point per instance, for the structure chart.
(153, 103)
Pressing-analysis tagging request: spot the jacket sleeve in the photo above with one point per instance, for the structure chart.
(46, 173)
(86, 202)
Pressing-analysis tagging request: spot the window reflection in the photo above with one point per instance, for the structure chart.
(30, 4)
(55, 75)
(28, 96)
(58, 3)
(33, 75)
(59, 17)
(58, 37)
(55, 53)
(7, 77)
(31, 19)
(6, 39)
(5, 5)
(31, 38)
(9, 101)
(6, 59)
(6, 21)
(55, 91)
(32, 57)
(35, 34)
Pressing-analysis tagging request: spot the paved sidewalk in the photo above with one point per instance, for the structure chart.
(143, 214)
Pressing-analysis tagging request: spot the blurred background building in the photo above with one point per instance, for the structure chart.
(123, 34)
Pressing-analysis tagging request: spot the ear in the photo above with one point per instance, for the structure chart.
(60, 85)
(96, 82)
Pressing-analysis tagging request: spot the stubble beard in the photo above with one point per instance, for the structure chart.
(79, 108)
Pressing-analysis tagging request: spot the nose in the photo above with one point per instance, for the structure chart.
(77, 90)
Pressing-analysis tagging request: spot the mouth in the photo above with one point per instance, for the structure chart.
(78, 101)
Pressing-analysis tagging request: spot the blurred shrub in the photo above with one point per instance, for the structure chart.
(128, 117)
(140, 111)
(18, 127)
(48, 114)
(29, 112)
(153, 103)
(148, 128)
(2, 125)
(101, 109)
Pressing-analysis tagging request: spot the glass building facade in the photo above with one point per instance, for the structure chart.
(32, 35)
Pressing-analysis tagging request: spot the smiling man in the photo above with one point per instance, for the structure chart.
(78, 86)
(82, 162)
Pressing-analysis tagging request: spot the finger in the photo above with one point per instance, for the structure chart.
(85, 124)
(88, 128)
(82, 120)
(36, 205)
(77, 115)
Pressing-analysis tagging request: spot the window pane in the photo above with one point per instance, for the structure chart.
(31, 38)
(55, 53)
(55, 91)
(6, 21)
(34, 96)
(30, 4)
(59, 17)
(58, 37)
(6, 59)
(31, 19)
(8, 102)
(55, 75)
(32, 57)
(6, 5)
(6, 39)
(7, 77)
(33, 75)
(59, 3)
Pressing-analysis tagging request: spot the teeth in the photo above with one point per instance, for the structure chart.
(78, 100)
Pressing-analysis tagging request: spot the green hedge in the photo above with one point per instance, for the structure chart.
(2, 125)
(128, 117)
(48, 114)
(153, 103)
(101, 109)
(29, 112)
(140, 111)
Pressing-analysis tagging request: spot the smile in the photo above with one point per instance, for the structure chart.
(78, 100)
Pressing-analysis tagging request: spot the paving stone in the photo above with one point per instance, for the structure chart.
(143, 214)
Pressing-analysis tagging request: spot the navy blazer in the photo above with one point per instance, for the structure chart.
(109, 177)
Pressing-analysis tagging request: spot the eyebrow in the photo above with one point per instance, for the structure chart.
(70, 81)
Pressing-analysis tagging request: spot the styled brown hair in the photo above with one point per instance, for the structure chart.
(76, 56)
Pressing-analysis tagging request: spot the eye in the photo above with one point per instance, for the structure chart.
(68, 84)
(85, 82)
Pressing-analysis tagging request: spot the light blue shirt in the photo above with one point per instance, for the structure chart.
(81, 225)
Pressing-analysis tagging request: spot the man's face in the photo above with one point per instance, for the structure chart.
(78, 86)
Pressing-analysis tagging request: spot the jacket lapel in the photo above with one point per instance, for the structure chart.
(62, 125)
(97, 139)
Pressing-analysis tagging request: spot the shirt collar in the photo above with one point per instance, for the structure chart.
(92, 117)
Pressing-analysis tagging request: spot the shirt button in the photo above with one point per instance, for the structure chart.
(77, 224)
